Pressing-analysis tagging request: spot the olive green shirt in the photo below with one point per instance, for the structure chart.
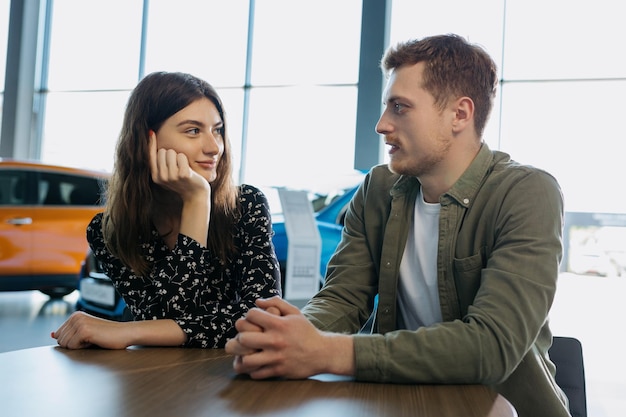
(500, 246)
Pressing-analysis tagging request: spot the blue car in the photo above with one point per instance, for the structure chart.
(98, 297)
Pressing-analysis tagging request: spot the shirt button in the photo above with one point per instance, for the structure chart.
(466, 201)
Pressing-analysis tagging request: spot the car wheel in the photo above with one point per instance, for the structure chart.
(57, 292)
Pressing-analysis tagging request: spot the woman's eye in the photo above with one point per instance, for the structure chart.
(219, 131)
(193, 131)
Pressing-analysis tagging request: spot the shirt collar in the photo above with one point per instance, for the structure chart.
(465, 188)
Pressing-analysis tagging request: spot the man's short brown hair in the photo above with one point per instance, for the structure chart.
(454, 68)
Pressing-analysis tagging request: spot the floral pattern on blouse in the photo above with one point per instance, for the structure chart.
(191, 286)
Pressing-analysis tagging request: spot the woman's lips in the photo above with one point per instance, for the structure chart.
(207, 164)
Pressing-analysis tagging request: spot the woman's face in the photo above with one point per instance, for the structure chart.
(197, 131)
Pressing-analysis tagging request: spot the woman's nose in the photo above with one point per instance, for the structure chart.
(211, 143)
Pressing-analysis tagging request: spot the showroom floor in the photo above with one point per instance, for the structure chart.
(588, 308)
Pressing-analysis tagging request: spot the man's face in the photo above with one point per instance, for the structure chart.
(417, 132)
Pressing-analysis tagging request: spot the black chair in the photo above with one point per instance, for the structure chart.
(567, 355)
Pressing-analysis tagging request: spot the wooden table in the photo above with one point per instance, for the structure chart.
(51, 381)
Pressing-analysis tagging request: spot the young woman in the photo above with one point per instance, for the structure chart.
(188, 250)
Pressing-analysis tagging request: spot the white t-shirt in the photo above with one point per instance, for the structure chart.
(418, 295)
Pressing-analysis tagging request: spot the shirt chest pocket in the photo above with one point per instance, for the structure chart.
(467, 276)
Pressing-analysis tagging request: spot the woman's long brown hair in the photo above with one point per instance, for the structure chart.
(133, 199)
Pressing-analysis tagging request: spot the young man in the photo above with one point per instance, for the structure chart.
(461, 244)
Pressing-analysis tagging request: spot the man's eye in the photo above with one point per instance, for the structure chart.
(398, 107)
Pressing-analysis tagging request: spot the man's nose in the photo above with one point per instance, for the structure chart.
(383, 127)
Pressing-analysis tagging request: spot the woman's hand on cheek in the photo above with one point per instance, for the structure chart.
(171, 170)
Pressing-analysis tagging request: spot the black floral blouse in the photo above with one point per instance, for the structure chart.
(191, 286)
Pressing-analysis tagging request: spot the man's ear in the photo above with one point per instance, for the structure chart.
(464, 114)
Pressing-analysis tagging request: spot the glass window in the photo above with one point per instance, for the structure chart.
(300, 137)
(81, 128)
(61, 189)
(215, 49)
(303, 136)
(1, 107)
(95, 45)
(313, 42)
(5, 6)
(478, 21)
(547, 124)
(559, 126)
(205, 38)
(564, 39)
(417, 19)
(13, 187)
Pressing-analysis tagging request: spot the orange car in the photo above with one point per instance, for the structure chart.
(44, 212)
